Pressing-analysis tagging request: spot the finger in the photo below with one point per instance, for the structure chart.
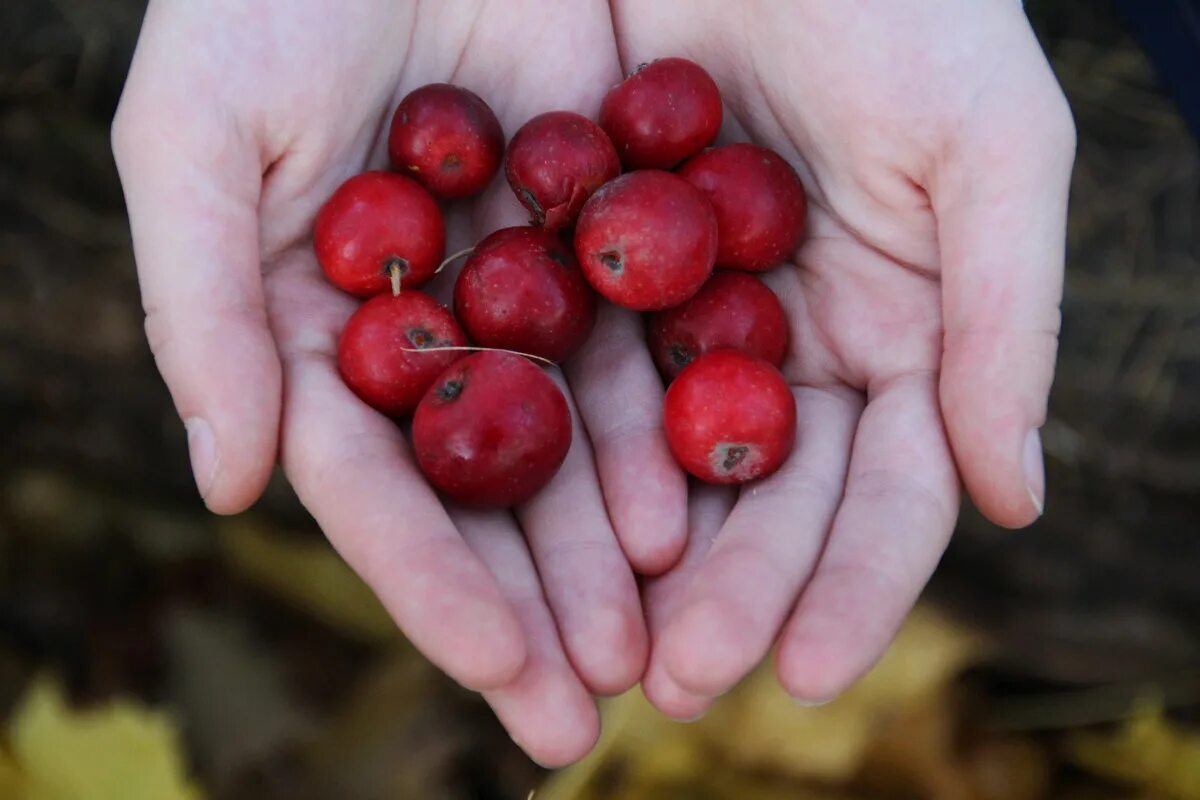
(1001, 204)
(587, 580)
(897, 514)
(708, 508)
(545, 707)
(644, 489)
(741, 594)
(192, 199)
(354, 472)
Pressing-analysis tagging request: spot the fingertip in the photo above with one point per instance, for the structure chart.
(548, 713)
(668, 697)
(703, 649)
(493, 652)
(609, 651)
(810, 677)
(567, 745)
(649, 515)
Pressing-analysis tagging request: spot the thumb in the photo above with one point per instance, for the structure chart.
(191, 185)
(1000, 198)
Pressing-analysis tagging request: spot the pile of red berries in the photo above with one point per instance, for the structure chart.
(490, 427)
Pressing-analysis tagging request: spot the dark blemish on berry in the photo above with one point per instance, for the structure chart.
(734, 454)
(680, 355)
(612, 259)
(421, 338)
(451, 389)
(451, 162)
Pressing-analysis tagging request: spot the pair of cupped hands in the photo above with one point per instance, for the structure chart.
(936, 148)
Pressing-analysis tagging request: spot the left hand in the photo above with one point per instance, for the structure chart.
(936, 148)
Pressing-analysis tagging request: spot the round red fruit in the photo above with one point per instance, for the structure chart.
(664, 112)
(647, 240)
(555, 162)
(759, 201)
(730, 418)
(383, 353)
(447, 138)
(521, 289)
(731, 310)
(374, 224)
(492, 430)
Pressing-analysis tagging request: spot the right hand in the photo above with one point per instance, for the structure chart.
(237, 122)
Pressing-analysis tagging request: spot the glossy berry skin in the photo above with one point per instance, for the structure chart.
(492, 430)
(759, 201)
(555, 162)
(730, 418)
(375, 351)
(374, 221)
(647, 240)
(664, 112)
(446, 138)
(731, 310)
(522, 290)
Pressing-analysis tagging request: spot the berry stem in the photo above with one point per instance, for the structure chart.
(394, 272)
(446, 261)
(473, 349)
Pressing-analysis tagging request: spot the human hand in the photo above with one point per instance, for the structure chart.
(937, 148)
(237, 122)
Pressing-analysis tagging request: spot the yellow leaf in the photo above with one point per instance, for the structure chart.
(760, 727)
(12, 780)
(757, 730)
(308, 575)
(1147, 752)
(122, 751)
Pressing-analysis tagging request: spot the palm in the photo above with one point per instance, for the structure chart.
(827, 555)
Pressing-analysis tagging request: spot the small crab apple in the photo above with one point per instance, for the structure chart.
(730, 418)
(759, 201)
(378, 232)
(384, 355)
(554, 163)
(662, 113)
(521, 289)
(446, 138)
(492, 430)
(731, 310)
(647, 240)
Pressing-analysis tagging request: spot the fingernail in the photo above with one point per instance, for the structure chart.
(202, 446)
(1035, 470)
(805, 702)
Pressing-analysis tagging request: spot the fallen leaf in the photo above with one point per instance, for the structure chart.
(309, 575)
(231, 692)
(1147, 752)
(121, 751)
(761, 727)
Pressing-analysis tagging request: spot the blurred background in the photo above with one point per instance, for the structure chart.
(150, 650)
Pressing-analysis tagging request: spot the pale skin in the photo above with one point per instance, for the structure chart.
(936, 148)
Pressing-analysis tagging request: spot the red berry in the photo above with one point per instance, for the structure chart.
(664, 112)
(730, 418)
(555, 162)
(379, 351)
(759, 202)
(521, 289)
(647, 240)
(492, 430)
(447, 138)
(373, 223)
(732, 310)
